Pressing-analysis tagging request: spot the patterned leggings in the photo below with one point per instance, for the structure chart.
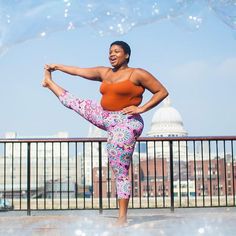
(123, 130)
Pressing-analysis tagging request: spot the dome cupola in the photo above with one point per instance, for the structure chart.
(167, 122)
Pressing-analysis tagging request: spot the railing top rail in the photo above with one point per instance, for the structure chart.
(187, 138)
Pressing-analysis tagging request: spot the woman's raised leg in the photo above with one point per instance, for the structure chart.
(88, 109)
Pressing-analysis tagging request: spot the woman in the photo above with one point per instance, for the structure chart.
(118, 112)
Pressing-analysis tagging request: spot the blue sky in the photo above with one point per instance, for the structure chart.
(197, 67)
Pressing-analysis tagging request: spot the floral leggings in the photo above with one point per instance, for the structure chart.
(123, 130)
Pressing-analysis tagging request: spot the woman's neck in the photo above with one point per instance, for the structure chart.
(121, 67)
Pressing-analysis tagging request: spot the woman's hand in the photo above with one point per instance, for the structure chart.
(132, 110)
(50, 67)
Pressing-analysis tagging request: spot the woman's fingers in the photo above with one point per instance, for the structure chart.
(131, 110)
(50, 67)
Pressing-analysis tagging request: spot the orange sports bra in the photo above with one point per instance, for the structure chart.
(119, 95)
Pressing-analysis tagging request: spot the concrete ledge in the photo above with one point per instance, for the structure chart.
(184, 222)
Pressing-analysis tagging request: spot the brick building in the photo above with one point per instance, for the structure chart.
(144, 174)
(151, 178)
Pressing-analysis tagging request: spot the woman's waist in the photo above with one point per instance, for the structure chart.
(119, 117)
(119, 104)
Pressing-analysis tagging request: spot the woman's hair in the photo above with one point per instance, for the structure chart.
(125, 47)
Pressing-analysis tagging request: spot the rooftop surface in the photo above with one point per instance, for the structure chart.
(184, 222)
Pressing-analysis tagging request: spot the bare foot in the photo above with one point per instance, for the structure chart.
(121, 222)
(47, 78)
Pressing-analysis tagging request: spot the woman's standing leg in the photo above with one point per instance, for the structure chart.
(119, 159)
(120, 146)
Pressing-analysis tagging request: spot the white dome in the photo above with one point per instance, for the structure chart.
(167, 121)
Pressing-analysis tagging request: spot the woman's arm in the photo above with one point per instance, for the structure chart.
(93, 73)
(150, 83)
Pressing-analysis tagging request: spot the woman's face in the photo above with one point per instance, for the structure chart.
(117, 56)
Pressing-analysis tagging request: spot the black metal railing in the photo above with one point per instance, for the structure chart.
(74, 173)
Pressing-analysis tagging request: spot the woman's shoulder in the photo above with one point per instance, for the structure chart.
(102, 68)
(140, 73)
(140, 76)
(103, 71)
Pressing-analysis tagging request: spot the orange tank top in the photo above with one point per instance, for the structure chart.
(119, 95)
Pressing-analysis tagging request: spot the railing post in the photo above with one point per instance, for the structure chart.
(28, 179)
(100, 176)
(171, 177)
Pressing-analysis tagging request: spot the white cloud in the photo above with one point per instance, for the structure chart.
(192, 70)
(227, 69)
(197, 71)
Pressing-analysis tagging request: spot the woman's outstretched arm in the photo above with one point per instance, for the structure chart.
(93, 73)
